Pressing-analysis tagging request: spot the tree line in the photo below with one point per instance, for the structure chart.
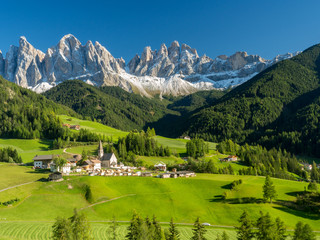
(273, 162)
(9, 155)
(265, 228)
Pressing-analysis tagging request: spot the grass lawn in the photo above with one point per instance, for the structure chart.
(150, 161)
(12, 175)
(216, 159)
(28, 148)
(94, 127)
(179, 145)
(39, 231)
(184, 199)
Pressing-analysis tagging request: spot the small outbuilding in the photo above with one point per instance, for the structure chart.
(56, 176)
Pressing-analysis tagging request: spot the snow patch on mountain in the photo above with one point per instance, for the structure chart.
(168, 71)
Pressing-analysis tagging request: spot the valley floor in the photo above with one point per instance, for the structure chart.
(183, 199)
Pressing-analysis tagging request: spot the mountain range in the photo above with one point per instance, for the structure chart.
(175, 70)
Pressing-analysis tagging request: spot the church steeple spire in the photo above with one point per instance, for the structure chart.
(100, 150)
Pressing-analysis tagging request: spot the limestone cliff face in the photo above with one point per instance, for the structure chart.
(1, 64)
(174, 70)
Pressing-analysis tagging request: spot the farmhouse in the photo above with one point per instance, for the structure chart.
(65, 169)
(75, 127)
(96, 164)
(43, 161)
(108, 160)
(86, 165)
(185, 137)
(164, 175)
(72, 161)
(230, 158)
(161, 166)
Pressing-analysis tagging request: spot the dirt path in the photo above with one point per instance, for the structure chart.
(109, 200)
(2, 190)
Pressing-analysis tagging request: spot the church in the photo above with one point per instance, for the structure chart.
(108, 160)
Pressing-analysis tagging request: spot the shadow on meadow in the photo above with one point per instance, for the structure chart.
(295, 194)
(45, 142)
(244, 200)
(302, 214)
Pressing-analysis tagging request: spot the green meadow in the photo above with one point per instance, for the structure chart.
(183, 199)
(94, 127)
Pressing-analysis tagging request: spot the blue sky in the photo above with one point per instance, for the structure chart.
(125, 27)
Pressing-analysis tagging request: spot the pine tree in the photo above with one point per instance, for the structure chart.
(173, 232)
(158, 233)
(265, 227)
(280, 230)
(269, 192)
(198, 231)
(315, 175)
(137, 229)
(244, 232)
(303, 232)
(61, 229)
(113, 229)
(80, 227)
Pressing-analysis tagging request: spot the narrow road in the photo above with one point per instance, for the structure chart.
(2, 190)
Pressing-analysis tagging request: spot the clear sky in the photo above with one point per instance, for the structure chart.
(213, 27)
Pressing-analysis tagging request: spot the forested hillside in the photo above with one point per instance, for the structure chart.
(109, 105)
(279, 107)
(172, 125)
(25, 114)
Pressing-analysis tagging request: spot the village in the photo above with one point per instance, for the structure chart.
(105, 164)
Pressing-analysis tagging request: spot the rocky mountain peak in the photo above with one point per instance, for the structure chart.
(177, 70)
(147, 54)
(163, 51)
(1, 63)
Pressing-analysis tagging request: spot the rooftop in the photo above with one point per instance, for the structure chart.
(43, 157)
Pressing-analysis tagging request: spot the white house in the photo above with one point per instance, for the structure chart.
(66, 169)
(96, 165)
(161, 166)
(43, 161)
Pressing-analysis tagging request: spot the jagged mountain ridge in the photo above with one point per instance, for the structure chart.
(169, 71)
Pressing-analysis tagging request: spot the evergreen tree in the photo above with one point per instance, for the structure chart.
(137, 229)
(315, 175)
(61, 229)
(313, 186)
(80, 227)
(244, 232)
(84, 155)
(113, 229)
(199, 230)
(173, 232)
(265, 227)
(303, 232)
(158, 233)
(269, 192)
(225, 236)
(74, 228)
(280, 230)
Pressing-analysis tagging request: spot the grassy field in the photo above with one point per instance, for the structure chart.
(216, 159)
(94, 127)
(184, 199)
(28, 148)
(150, 161)
(42, 231)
